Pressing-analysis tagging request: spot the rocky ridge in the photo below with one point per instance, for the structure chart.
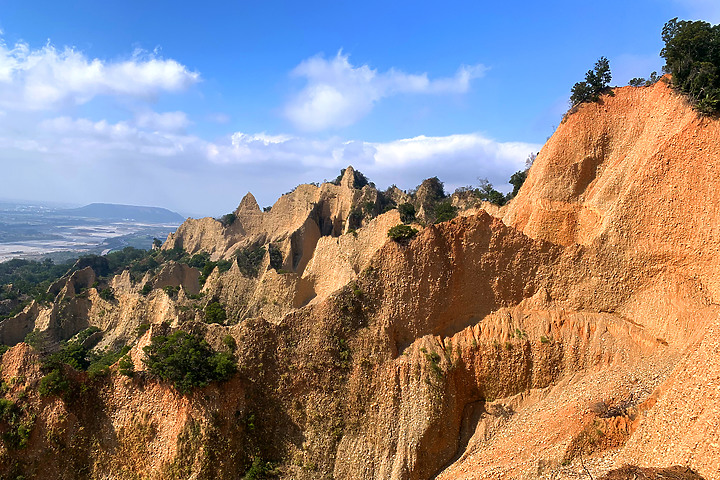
(572, 331)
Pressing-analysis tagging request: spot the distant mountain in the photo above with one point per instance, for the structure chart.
(111, 211)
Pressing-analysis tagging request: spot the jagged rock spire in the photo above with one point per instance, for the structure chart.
(248, 203)
(348, 178)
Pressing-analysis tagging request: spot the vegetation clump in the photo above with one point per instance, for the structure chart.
(259, 470)
(202, 262)
(126, 366)
(249, 260)
(19, 424)
(692, 56)
(445, 211)
(401, 233)
(407, 212)
(276, 257)
(22, 281)
(487, 193)
(187, 361)
(107, 294)
(228, 219)
(596, 81)
(645, 82)
(215, 313)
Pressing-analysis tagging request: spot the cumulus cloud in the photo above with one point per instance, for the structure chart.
(48, 78)
(338, 94)
(78, 159)
(457, 159)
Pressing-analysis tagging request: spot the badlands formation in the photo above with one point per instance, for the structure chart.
(573, 333)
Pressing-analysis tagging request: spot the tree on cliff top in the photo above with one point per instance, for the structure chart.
(692, 56)
(595, 82)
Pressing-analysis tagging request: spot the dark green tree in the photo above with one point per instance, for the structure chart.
(596, 81)
(516, 180)
(276, 257)
(692, 56)
(445, 211)
(407, 212)
(487, 193)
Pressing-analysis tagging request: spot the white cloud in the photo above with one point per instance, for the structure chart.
(456, 159)
(338, 94)
(166, 122)
(81, 160)
(48, 78)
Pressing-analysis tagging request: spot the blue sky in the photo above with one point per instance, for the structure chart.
(190, 106)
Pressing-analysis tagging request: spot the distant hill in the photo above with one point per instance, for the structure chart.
(111, 211)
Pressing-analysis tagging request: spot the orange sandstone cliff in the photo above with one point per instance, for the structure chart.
(567, 334)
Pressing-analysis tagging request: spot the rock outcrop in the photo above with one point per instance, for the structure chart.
(567, 334)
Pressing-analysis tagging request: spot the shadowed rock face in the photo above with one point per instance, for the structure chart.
(569, 333)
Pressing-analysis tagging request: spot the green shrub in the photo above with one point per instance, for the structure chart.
(126, 366)
(249, 260)
(100, 362)
(19, 424)
(230, 342)
(369, 209)
(107, 294)
(445, 211)
(228, 219)
(85, 334)
(199, 260)
(146, 289)
(171, 290)
(72, 353)
(187, 361)
(259, 470)
(407, 212)
(642, 82)
(142, 328)
(487, 193)
(215, 313)
(516, 180)
(9, 411)
(276, 258)
(402, 232)
(36, 339)
(54, 383)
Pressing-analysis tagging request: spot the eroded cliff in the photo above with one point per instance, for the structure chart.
(572, 331)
